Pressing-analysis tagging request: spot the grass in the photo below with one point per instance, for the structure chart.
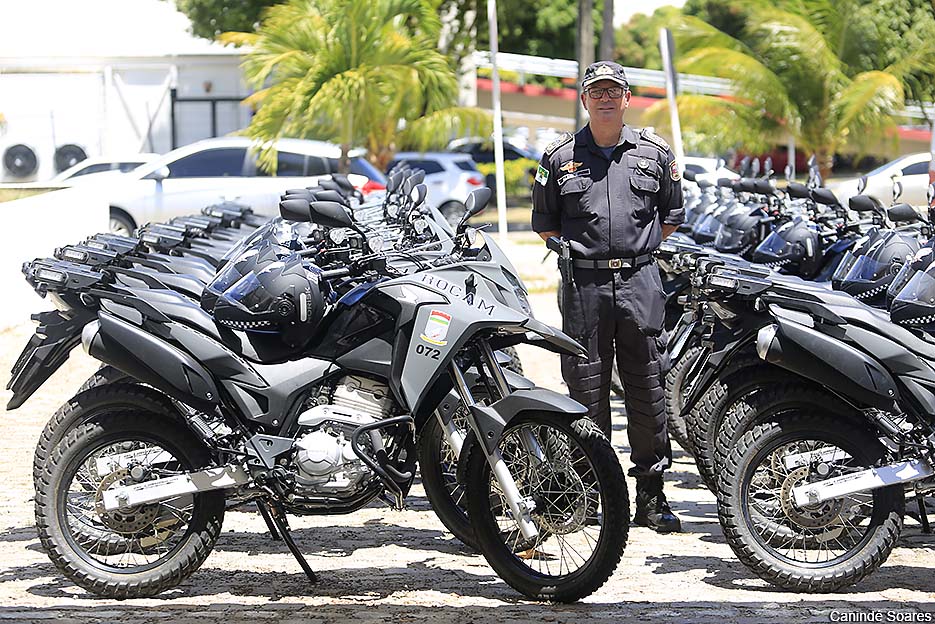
(9, 194)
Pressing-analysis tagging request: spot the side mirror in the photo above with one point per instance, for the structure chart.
(159, 174)
(330, 214)
(863, 203)
(392, 183)
(720, 164)
(763, 187)
(330, 185)
(724, 182)
(689, 175)
(768, 166)
(418, 194)
(897, 190)
(861, 184)
(418, 177)
(341, 180)
(797, 191)
(902, 213)
(812, 161)
(331, 196)
(755, 168)
(295, 210)
(474, 204)
(744, 166)
(407, 186)
(824, 196)
(788, 172)
(930, 195)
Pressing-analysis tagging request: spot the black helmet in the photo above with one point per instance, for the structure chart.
(861, 245)
(874, 271)
(256, 258)
(284, 295)
(740, 230)
(705, 230)
(794, 246)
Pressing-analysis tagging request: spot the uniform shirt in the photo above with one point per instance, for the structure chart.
(612, 207)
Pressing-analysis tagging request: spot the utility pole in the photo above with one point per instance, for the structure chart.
(607, 32)
(585, 50)
(497, 122)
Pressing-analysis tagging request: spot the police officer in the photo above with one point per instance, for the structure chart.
(612, 193)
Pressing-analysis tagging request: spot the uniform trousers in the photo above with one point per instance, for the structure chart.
(621, 312)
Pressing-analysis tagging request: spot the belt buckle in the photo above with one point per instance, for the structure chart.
(615, 263)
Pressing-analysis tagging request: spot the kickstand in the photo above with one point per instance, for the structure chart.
(278, 516)
(268, 518)
(923, 515)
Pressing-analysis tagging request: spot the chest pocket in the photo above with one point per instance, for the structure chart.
(576, 196)
(644, 185)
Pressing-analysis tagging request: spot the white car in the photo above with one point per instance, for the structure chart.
(207, 172)
(912, 171)
(448, 177)
(707, 168)
(91, 168)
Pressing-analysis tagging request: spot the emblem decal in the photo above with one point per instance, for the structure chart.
(570, 167)
(674, 172)
(542, 175)
(642, 163)
(436, 328)
(559, 141)
(604, 70)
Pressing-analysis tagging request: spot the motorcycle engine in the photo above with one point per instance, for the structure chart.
(325, 460)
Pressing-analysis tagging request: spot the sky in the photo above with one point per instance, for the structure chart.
(624, 9)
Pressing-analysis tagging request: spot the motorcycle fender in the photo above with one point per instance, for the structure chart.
(706, 369)
(491, 420)
(45, 352)
(680, 341)
(150, 360)
(842, 368)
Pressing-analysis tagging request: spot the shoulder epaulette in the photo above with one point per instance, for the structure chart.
(559, 141)
(655, 139)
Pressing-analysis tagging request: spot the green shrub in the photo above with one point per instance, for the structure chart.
(518, 175)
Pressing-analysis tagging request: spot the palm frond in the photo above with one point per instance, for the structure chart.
(435, 130)
(864, 109)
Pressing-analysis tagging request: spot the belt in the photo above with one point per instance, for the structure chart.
(613, 263)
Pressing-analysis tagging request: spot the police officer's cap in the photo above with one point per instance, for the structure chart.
(604, 70)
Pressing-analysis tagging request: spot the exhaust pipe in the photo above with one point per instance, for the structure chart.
(863, 481)
(171, 487)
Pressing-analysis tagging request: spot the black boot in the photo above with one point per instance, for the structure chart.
(652, 510)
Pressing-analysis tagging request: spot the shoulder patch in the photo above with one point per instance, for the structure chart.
(650, 136)
(559, 141)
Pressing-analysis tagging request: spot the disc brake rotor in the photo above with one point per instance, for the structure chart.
(561, 505)
(811, 516)
(128, 521)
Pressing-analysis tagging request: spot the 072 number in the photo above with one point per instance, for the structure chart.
(431, 352)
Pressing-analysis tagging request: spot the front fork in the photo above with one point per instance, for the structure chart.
(520, 507)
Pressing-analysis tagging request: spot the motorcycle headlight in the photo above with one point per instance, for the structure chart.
(337, 235)
(392, 210)
(420, 225)
(375, 243)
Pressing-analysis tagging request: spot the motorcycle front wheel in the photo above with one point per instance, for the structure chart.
(570, 474)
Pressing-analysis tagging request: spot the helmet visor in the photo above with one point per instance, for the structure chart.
(775, 245)
(251, 294)
(920, 290)
(729, 238)
(866, 269)
(905, 275)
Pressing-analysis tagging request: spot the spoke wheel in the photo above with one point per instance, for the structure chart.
(568, 473)
(820, 547)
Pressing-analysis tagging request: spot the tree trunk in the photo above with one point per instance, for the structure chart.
(585, 49)
(607, 32)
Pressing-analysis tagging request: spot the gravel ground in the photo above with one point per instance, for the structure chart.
(384, 565)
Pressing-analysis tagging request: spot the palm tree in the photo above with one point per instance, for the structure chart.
(799, 66)
(354, 73)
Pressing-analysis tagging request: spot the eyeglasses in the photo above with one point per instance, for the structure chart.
(613, 93)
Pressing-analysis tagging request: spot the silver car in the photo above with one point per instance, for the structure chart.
(207, 172)
(449, 178)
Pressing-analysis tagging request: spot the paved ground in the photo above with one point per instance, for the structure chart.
(380, 565)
